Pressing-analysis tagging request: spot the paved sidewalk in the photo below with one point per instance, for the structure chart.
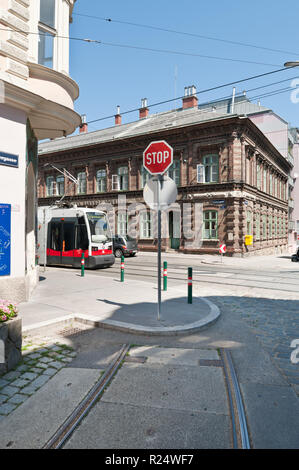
(41, 361)
(103, 301)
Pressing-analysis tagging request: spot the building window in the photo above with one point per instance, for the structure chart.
(249, 223)
(264, 220)
(275, 187)
(265, 180)
(47, 32)
(144, 176)
(174, 172)
(210, 221)
(271, 185)
(101, 181)
(123, 178)
(122, 221)
(81, 177)
(146, 224)
(47, 12)
(258, 176)
(211, 168)
(50, 185)
(275, 226)
(60, 185)
(257, 227)
(270, 226)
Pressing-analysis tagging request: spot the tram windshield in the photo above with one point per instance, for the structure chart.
(99, 227)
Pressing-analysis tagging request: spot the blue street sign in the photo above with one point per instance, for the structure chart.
(5, 239)
(8, 159)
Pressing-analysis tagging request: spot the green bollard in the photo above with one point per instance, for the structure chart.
(189, 285)
(122, 269)
(82, 265)
(165, 275)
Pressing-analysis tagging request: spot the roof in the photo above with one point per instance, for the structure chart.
(211, 111)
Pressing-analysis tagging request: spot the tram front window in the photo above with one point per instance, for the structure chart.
(99, 227)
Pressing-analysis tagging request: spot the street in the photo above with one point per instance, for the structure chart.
(159, 398)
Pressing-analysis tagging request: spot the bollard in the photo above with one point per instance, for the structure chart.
(82, 265)
(189, 285)
(165, 275)
(122, 269)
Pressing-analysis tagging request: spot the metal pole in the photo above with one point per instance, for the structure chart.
(45, 241)
(189, 285)
(82, 264)
(165, 275)
(159, 182)
(122, 269)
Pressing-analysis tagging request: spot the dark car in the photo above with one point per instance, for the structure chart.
(296, 256)
(123, 245)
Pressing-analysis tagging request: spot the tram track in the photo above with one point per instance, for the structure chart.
(139, 272)
(72, 422)
(239, 429)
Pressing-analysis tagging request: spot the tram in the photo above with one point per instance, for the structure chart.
(64, 233)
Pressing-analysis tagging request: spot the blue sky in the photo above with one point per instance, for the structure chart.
(109, 76)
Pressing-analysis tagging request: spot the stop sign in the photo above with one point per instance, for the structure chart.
(158, 157)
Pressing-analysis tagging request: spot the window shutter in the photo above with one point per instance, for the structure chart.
(115, 183)
(200, 173)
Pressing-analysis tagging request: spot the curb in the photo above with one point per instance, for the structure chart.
(209, 320)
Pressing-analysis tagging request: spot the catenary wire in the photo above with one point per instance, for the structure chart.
(147, 49)
(184, 33)
(197, 93)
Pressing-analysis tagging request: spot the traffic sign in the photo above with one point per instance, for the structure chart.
(222, 248)
(158, 157)
(166, 192)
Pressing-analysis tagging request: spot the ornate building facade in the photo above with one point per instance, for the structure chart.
(232, 181)
(36, 102)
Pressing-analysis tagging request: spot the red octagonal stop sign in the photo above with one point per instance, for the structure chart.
(158, 157)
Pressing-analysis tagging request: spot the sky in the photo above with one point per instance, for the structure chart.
(111, 75)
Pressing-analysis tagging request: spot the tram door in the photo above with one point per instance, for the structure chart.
(61, 241)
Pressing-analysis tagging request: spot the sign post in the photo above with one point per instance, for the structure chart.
(159, 192)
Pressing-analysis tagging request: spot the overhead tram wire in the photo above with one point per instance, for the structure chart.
(197, 93)
(184, 33)
(147, 49)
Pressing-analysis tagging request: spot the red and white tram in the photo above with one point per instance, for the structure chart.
(67, 232)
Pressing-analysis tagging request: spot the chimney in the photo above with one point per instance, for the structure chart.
(84, 125)
(117, 117)
(190, 99)
(143, 111)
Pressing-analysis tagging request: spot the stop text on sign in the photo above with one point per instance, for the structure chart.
(157, 157)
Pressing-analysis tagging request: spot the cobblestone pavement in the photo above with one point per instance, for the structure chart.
(41, 361)
(275, 322)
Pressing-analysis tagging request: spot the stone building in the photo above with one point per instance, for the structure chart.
(232, 181)
(36, 102)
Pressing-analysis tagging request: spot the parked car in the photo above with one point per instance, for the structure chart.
(296, 256)
(124, 246)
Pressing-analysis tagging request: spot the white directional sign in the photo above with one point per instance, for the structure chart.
(163, 194)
